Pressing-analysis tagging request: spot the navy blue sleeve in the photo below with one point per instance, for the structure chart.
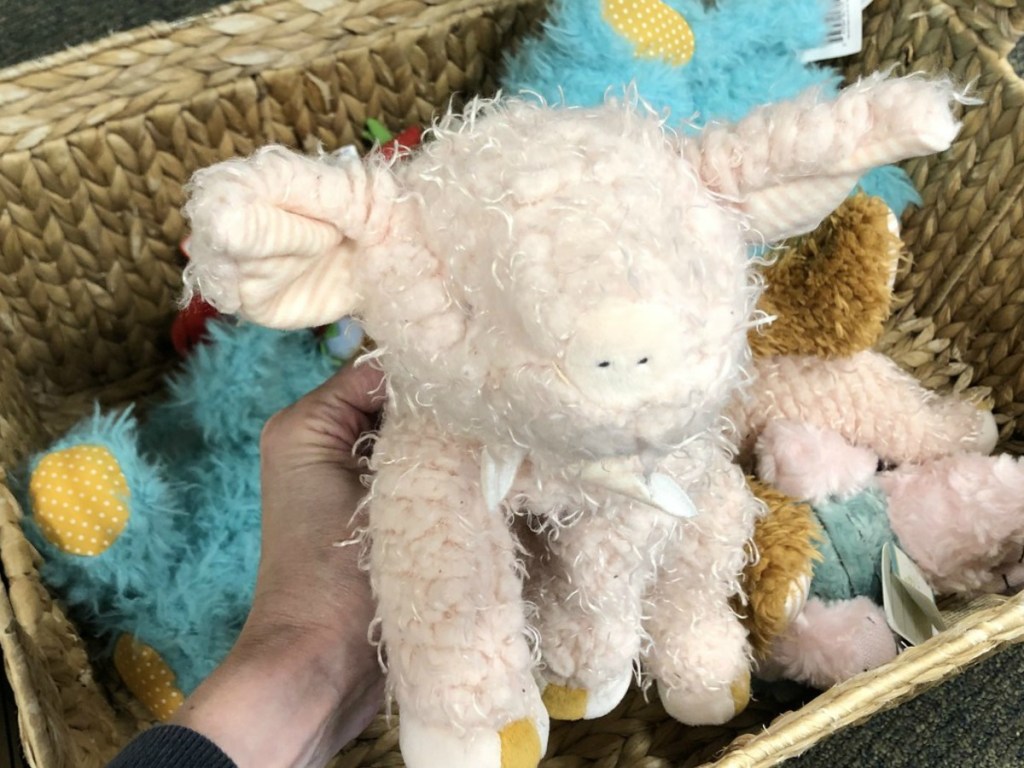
(171, 746)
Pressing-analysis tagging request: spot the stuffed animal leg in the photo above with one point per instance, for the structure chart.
(149, 524)
(830, 641)
(589, 584)
(444, 569)
(598, 598)
(699, 654)
(961, 519)
(867, 399)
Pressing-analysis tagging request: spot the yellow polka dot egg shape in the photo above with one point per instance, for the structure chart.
(656, 30)
(148, 677)
(79, 499)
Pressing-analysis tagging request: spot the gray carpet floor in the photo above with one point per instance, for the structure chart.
(975, 720)
(33, 28)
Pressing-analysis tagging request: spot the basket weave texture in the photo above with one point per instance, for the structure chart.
(95, 145)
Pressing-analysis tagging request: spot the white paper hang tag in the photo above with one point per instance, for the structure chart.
(844, 33)
(498, 469)
(658, 490)
(907, 599)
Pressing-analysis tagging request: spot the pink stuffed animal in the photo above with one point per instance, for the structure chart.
(818, 430)
(561, 299)
(960, 517)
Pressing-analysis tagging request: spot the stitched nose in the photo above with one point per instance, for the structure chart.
(622, 353)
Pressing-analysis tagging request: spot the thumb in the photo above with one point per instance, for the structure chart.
(327, 423)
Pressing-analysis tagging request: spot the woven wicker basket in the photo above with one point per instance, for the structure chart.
(96, 142)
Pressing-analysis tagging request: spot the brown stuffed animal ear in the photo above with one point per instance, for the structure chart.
(830, 291)
(786, 540)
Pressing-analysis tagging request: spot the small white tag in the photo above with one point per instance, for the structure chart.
(907, 599)
(844, 31)
(667, 496)
(657, 490)
(498, 469)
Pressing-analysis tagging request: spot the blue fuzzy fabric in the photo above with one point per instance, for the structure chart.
(855, 529)
(892, 185)
(181, 575)
(747, 53)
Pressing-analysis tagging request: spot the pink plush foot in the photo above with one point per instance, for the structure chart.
(961, 519)
(809, 462)
(831, 642)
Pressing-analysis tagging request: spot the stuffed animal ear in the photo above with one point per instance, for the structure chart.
(276, 237)
(788, 165)
(830, 292)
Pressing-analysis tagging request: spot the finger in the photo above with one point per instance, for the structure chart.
(359, 386)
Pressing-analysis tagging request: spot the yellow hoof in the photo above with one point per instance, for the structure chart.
(564, 703)
(148, 677)
(520, 745)
(79, 497)
(740, 690)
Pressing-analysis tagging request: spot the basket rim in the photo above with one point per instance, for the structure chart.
(977, 635)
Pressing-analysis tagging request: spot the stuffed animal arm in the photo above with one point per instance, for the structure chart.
(866, 398)
(560, 299)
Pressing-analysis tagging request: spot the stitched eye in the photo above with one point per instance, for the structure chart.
(604, 364)
(642, 361)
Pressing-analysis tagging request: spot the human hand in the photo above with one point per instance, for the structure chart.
(303, 679)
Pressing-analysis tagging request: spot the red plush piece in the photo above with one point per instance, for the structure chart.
(189, 327)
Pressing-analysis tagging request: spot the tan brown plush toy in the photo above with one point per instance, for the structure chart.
(777, 580)
(830, 293)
